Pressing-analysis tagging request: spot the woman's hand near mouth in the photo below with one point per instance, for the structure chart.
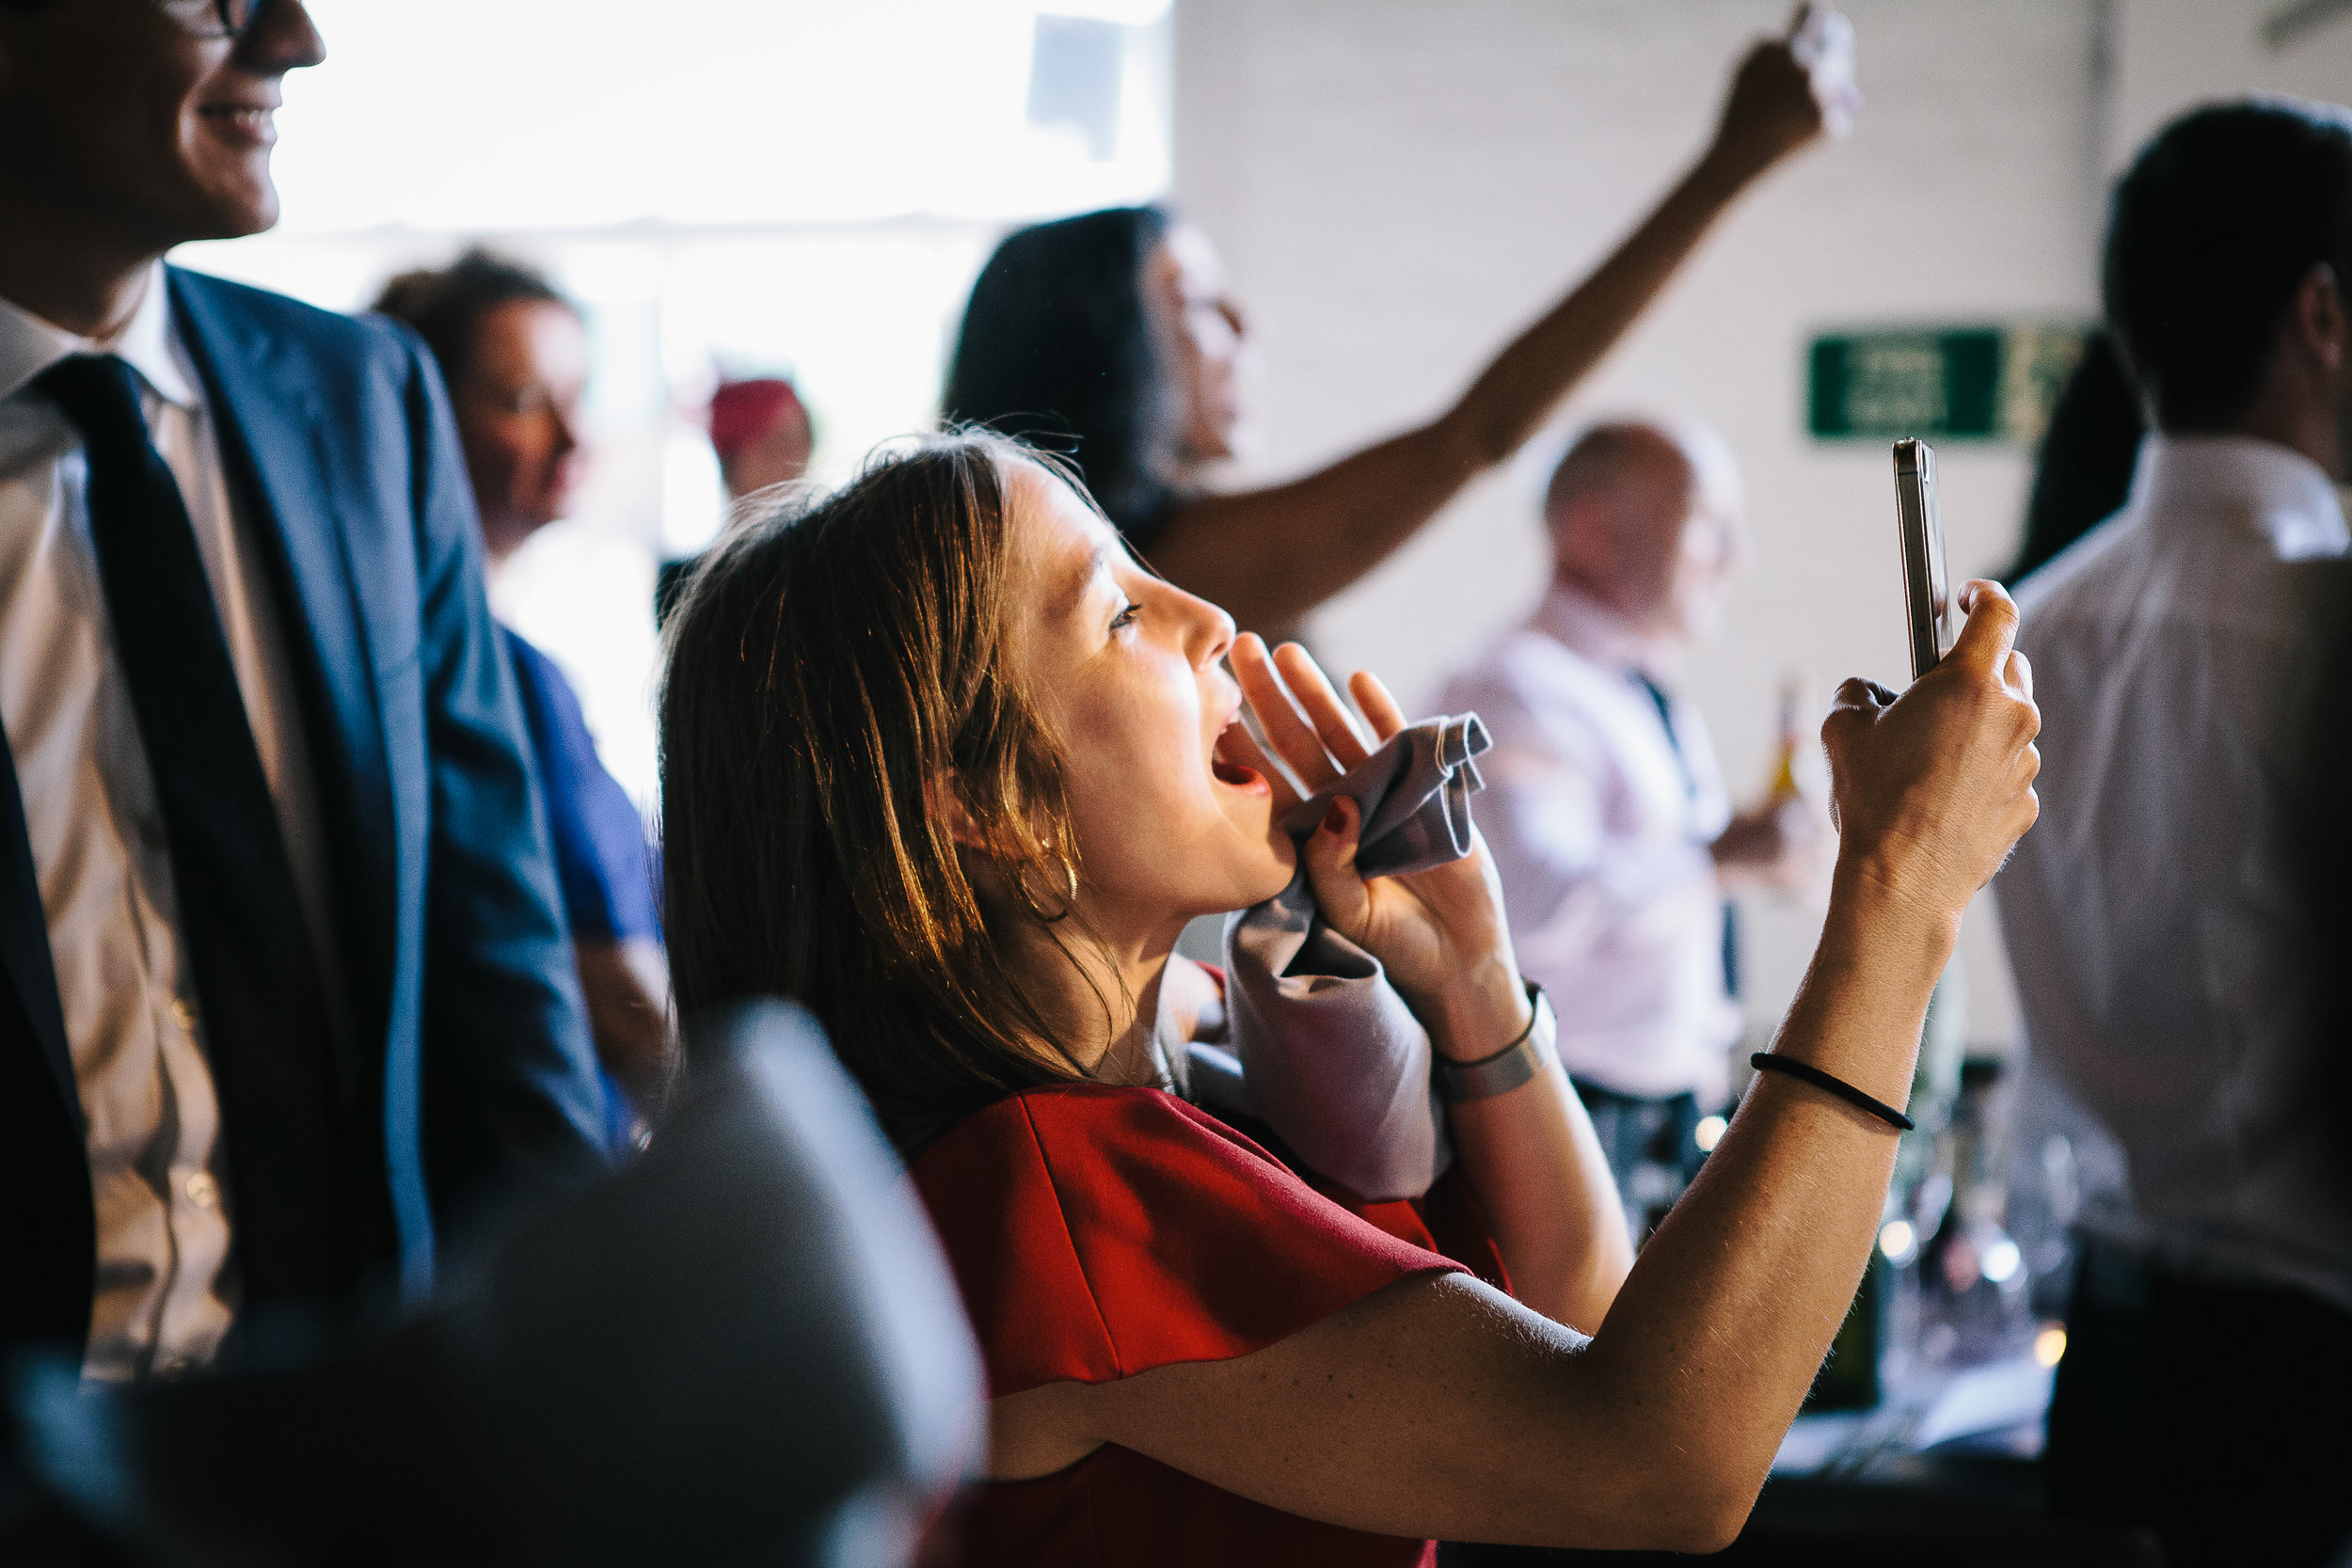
(1441, 933)
(1529, 1152)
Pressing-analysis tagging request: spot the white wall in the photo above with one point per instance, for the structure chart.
(1398, 184)
(2171, 53)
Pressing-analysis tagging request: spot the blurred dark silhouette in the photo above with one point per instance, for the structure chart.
(2328, 791)
(744, 1348)
(2324, 824)
(2082, 471)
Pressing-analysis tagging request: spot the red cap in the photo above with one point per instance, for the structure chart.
(743, 411)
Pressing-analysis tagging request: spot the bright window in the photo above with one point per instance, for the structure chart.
(748, 186)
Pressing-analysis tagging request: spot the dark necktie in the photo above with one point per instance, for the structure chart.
(1690, 786)
(262, 1002)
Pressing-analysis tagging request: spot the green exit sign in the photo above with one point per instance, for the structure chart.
(1957, 383)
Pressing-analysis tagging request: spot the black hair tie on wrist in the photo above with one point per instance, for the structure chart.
(1765, 1061)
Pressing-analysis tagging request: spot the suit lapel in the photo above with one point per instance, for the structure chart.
(265, 407)
(25, 938)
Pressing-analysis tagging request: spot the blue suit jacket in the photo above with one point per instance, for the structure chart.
(460, 984)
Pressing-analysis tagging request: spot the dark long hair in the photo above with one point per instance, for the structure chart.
(2082, 471)
(1058, 347)
(828, 670)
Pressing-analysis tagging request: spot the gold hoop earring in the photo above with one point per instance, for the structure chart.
(1070, 873)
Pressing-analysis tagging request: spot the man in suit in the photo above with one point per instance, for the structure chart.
(285, 986)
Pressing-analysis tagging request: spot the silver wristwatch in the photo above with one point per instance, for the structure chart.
(1513, 1065)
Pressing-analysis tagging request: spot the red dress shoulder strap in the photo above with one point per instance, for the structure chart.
(1098, 1232)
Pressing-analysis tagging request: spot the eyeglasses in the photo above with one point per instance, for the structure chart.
(215, 19)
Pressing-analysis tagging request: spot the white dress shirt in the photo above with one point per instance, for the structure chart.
(2152, 916)
(1601, 832)
(163, 1297)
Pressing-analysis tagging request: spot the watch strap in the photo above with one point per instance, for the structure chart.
(1513, 1065)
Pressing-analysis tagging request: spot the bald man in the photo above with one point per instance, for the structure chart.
(1605, 811)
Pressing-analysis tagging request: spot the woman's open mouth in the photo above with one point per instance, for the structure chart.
(1233, 775)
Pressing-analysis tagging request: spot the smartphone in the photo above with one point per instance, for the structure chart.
(1927, 594)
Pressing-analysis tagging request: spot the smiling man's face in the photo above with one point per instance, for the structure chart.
(132, 118)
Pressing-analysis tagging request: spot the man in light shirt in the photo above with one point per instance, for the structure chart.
(284, 988)
(1605, 811)
(2172, 991)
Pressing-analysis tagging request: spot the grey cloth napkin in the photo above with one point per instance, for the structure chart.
(1333, 1059)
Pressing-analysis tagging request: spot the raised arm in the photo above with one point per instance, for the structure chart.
(1438, 1407)
(1269, 556)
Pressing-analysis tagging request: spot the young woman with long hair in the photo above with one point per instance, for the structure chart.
(1115, 336)
(945, 763)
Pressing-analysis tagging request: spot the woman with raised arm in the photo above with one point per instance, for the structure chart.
(1115, 336)
(944, 762)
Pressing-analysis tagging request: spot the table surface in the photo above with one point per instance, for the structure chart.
(1995, 1411)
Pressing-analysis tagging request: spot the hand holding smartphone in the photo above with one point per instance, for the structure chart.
(1926, 590)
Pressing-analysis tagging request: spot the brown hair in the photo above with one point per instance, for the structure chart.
(829, 671)
(446, 304)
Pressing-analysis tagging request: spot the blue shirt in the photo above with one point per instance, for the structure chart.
(602, 862)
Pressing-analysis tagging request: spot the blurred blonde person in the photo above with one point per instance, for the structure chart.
(1607, 814)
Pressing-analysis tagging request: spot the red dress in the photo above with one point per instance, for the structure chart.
(1098, 1232)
